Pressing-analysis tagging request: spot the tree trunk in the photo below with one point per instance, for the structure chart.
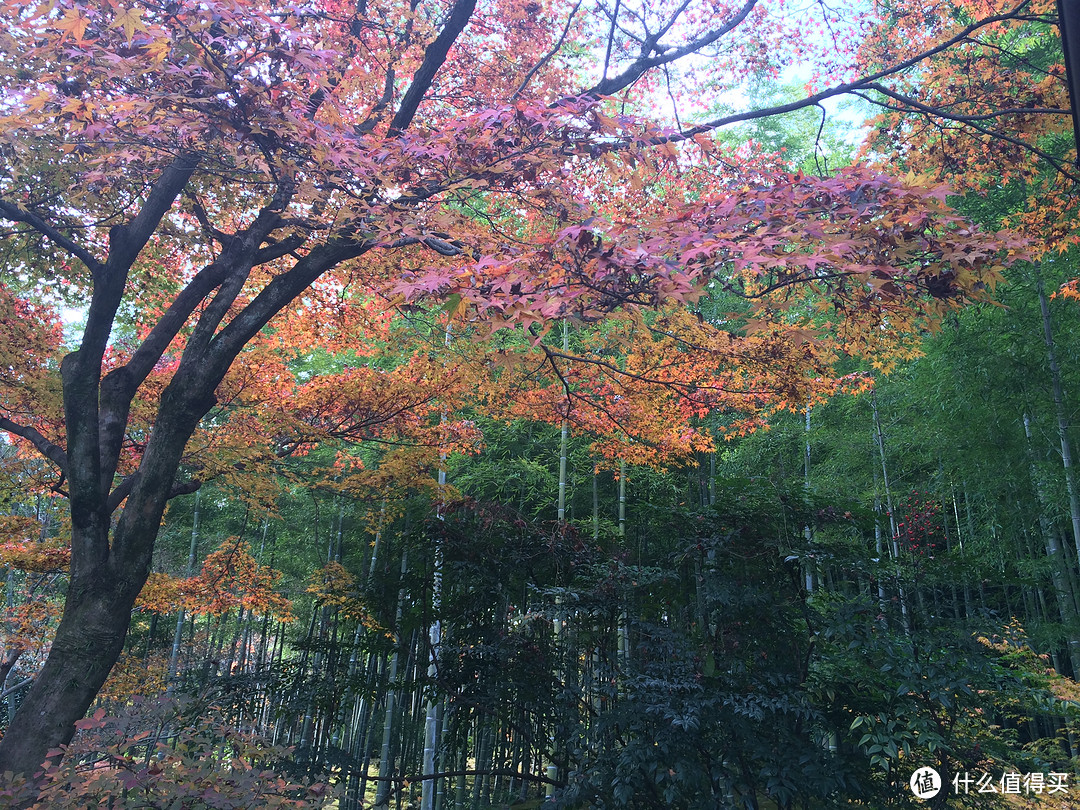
(115, 519)
(808, 534)
(564, 436)
(88, 641)
(1058, 571)
(1059, 411)
(894, 543)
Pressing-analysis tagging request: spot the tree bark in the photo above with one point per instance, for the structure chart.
(89, 639)
(879, 436)
(111, 558)
(1059, 411)
(1058, 571)
(564, 437)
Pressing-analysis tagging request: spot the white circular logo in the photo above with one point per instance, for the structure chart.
(925, 783)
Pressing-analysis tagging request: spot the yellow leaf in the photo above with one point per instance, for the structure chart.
(37, 102)
(130, 19)
(157, 50)
(73, 25)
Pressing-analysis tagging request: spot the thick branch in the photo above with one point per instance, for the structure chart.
(123, 489)
(437, 243)
(377, 110)
(126, 241)
(171, 322)
(203, 284)
(15, 214)
(52, 452)
(237, 260)
(276, 295)
(90, 471)
(190, 395)
(119, 386)
(434, 57)
(278, 249)
(187, 488)
(644, 63)
(204, 221)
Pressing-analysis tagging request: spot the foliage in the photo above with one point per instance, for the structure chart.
(990, 116)
(315, 248)
(333, 586)
(164, 754)
(230, 578)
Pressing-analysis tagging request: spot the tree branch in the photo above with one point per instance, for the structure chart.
(52, 452)
(547, 57)
(11, 690)
(848, 87)
(119, 386)
(434, 57)
(238, 258)
(204, 220)
(126, 241)
(123, 489)
(278, 249)
(377, 110)
(940, 112)
(972, 121)
(172, 321)
(645, 63)
(12, 212)
(227, 344)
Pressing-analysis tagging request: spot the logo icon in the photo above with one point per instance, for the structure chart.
(925, 783)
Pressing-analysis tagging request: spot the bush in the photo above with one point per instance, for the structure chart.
(165, 754)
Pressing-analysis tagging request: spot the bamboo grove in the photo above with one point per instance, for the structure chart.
(704, 631)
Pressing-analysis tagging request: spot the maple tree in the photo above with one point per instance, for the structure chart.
(230, 578)
(222, 185)
(990, 116)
